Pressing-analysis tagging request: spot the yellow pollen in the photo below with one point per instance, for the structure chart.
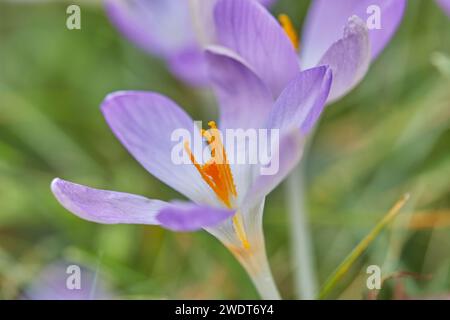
(289, 29)
(217, 174)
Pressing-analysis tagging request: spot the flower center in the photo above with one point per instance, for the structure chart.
(217, 174)
(289, 29)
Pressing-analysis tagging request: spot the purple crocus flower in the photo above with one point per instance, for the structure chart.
(335, 34)
(445, 5)
(227, 200)
(228, 204)
(255, 71)
(174, 30)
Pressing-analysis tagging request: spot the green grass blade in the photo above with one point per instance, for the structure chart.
(345, 266)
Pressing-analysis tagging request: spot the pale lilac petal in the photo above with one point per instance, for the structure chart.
(245, 101)
(294, 114)
(290, 151)
(247, 28)
(348, 58)
(102, 206)
(161, 27)
(202, 18)
(181, 216)
(145, 123)
(302, 102)
(326, 20)
(189, 66)
(112, 207)
(445, 5)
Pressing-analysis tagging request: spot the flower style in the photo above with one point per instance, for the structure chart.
(174, 30)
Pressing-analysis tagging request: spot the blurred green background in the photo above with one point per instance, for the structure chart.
(388, 137)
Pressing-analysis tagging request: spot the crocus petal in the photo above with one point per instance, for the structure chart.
(294, 114)
(189, 65)
(245, 101)
(247, 28)
(302, 102)
(102, 206)
(445, 5)
(181, 216)
(348, 58)
(202, 18)
(112, 207)
(326, 19)
(290, 151)
(202, 14)
(145, 123)
(160, 27)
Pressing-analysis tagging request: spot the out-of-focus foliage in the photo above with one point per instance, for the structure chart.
(389, 136)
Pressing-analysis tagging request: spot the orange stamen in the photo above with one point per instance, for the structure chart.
(217, 174)
(289, 29)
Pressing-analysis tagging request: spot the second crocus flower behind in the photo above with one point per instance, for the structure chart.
(174, 30)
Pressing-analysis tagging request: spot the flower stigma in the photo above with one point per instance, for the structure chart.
(216, 172)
